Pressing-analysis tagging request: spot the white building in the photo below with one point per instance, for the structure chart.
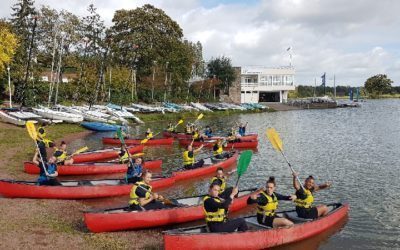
(262, 84)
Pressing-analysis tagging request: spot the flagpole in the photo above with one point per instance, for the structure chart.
(334, 87)
(315, 85)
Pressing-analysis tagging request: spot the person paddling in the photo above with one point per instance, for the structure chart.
(47, 177)
(197, 136)
(208, 132)
(267, 204)
(149, 134)
(134, 171)
(141, 197)
(61, 155)
(218, 150)
(215, 211)
(171, 128)
(305, 198)
(220, 179)
(123, 156)
(242, 129)
(232, 136)
(189, 161)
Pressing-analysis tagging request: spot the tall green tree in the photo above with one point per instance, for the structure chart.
(378, 85)
(221, 69)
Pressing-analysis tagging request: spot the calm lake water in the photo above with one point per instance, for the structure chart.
(356, 148)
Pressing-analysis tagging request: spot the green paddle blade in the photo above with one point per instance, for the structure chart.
(244, 161)
(120, 136)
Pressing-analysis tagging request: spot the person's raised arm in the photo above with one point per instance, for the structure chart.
(296, 184)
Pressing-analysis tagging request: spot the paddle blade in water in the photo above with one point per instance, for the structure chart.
(274, 138)
(120, 136)
(30, 126)
(144, 141)
(200, 116)
(244, 161)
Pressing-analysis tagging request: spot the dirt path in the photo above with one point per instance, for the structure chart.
(52, 224)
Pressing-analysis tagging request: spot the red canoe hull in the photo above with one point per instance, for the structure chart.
(23, 190)
(90, 168)
(188, 174)
(152, 142)
(261, 239)
(107, 222)
(103, 155)
(243, 144)
(249, 137)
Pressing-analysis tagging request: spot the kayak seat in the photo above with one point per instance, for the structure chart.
(253, 223)
(293, 217)
(85, 183)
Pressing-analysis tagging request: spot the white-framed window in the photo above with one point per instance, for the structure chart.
(45, 78)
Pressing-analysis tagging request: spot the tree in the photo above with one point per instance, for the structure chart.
(221, 69)
(378, 85)
(8, 45)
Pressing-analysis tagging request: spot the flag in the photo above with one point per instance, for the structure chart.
(323, 79)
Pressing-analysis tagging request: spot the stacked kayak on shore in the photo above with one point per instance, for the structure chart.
(82, 189)
(129, 141)
(187, 209)
(101, 126)
(259, 236)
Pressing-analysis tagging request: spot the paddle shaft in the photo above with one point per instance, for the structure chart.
(291, 168)
(41, 158)
(164, 200)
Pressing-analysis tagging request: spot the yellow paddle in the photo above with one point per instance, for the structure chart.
(81, 150)
(276, 142)
(30, 126)
(179, 123)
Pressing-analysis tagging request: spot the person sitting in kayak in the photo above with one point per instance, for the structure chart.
(61, 155)
(215, 210)
(123, 156)
(220, 179)
(189, 161)
(134, 171)
(188, 129)
(232, 136)
(49, 178)
(242, 129)
(218, 149)
(305, 198)
(141, 197)
(208, 132)
(267, 204)
(171, 128)
(43, 142)
(197, 136)
(149, 134)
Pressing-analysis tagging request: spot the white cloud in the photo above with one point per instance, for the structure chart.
(351, 39)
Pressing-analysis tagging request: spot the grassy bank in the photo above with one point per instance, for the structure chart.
(185, 115)
(51, 224)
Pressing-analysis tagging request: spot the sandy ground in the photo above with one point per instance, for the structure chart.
(52, 224)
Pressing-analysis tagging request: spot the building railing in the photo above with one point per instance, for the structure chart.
(263, 84)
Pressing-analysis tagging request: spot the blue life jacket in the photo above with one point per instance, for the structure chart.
(51, 169)
(133, 171)
(208, 133)
(242, 131)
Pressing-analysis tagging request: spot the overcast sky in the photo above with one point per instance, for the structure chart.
(350, 39)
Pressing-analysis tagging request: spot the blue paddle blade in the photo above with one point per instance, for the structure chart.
(244, 161)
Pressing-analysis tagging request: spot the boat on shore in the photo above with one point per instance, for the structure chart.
(104, 154)
(258, 236)
(5, 117)
(129, 141)
(210, 143)
(91, 168)
(58, 115)
(101, 126)
(188, 209)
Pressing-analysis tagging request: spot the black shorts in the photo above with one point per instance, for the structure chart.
(307, 213)
(134, 179)
(266, 220)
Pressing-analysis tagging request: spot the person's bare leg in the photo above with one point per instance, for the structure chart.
(281, 222)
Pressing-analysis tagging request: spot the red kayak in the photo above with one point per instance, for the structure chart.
(208, 168)
(81, 189)
(210, 144)
(189, 209)
(90, 168)
(151, 142)
(248, 137)
(258, 237)
(105, 154)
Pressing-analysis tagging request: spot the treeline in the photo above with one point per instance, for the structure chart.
(143, 56)
(303, 91)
